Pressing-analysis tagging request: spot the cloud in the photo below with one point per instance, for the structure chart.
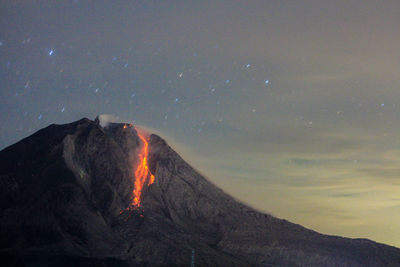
(387, 174)
(106, 119)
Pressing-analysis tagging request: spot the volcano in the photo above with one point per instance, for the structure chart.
(83, 194)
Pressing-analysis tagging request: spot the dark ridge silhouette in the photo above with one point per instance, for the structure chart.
(65, 190)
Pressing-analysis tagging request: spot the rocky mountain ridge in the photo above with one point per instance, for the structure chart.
(66, 199)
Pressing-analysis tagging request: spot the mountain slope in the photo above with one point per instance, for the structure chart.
(66, 198)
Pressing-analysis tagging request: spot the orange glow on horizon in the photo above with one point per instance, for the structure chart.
(142, 172)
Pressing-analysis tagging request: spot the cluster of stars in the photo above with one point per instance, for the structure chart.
(173, 87)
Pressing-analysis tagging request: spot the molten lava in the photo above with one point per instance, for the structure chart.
(142, 172)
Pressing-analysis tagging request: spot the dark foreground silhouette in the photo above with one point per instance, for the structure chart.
(66, 200)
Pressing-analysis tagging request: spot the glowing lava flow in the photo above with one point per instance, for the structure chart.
(142, 172)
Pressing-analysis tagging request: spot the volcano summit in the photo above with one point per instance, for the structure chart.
(81, 194)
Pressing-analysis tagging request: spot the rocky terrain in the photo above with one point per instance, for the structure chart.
(66, 200)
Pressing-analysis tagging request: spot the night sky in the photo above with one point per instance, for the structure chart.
(290, 106)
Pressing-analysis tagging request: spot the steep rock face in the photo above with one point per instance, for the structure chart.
(62, 188)
(66, 200)
(216, 219)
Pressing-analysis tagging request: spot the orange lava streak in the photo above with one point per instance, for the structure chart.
(142, 172)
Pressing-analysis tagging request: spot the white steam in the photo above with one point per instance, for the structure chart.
(106, 119)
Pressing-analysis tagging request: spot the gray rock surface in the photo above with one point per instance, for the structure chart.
(65, 190)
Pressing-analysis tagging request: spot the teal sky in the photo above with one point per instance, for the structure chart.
(290, 106)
